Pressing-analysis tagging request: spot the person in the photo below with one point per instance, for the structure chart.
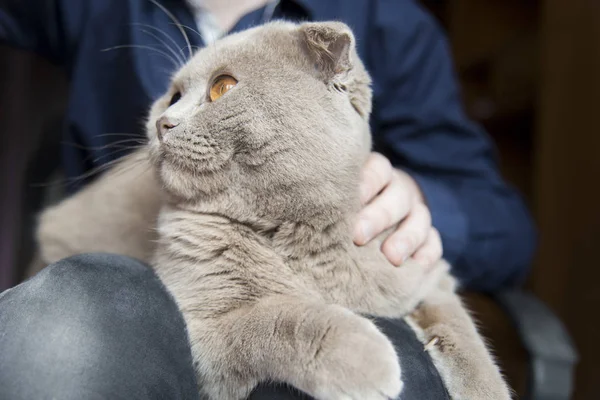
(433, 170)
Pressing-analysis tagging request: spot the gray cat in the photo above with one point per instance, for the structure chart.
(255, 156)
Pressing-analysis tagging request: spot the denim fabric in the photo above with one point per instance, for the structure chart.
(101, 326)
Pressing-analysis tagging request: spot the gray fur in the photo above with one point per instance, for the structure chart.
(254, 230)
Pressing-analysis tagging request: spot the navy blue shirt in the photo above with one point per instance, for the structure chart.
(418, 121)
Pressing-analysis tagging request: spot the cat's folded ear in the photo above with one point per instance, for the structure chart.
(330, 45)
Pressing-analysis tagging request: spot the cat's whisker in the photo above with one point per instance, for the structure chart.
(195, 48)
(136, 163)
(175, 54)
(157, 51)
(144, 47)
(123, 141)
(165, 34)
(129, 140)
(90, 173)
(118, 147)
(177, 23)
(166, 72)
(95, 171)
(110, 164)
(132, 161)
(107, 146)
(189, 28)
(175, 63)
(117, 151)
(125, 134)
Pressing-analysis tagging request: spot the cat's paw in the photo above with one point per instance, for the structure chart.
(355, 361)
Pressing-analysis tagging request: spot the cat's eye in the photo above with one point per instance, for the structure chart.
(176, 97)
(220, 86)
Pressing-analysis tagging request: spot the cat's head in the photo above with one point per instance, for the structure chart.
(277, 114)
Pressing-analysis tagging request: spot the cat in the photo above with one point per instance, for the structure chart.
(254, 160)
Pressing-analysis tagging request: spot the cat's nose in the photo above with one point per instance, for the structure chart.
(163, 125)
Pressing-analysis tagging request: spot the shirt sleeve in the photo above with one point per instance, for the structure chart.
(418, 122)
(49, 28)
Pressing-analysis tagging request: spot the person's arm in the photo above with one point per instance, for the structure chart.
(419, 124)
(50, 28)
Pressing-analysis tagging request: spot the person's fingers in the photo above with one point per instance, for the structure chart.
(387, 209)
(431, 251)
(410, 235)
(376, 175)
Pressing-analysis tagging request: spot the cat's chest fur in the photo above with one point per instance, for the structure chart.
(227, 260)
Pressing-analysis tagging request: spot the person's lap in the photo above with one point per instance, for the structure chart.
(103, 326)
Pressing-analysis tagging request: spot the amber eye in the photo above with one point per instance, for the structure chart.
(222, 85)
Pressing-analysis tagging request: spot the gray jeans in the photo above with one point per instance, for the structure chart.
(100, 326)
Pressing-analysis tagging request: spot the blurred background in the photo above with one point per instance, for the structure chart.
(529, 71)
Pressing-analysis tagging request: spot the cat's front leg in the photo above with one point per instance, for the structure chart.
(457, 349)
(324, 350)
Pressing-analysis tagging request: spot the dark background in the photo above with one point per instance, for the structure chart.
(530, 74)
(529, 71)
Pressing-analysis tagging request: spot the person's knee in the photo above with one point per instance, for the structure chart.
(97, 283)
(86, 287)
(86, 294)
(100, 269)
(86, 317)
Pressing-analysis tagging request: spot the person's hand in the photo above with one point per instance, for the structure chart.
(390, 196)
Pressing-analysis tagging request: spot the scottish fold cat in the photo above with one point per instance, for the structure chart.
(243, 201)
